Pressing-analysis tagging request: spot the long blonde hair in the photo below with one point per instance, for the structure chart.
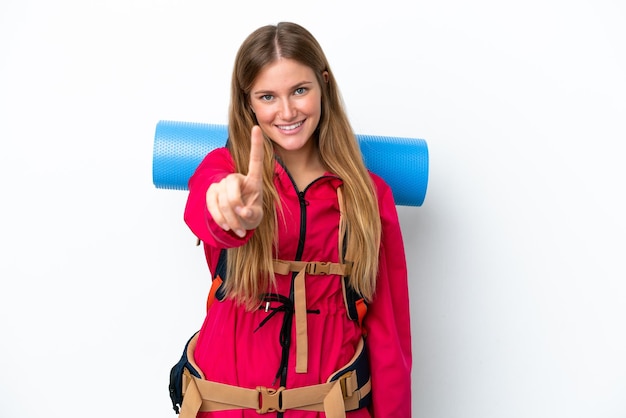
(249, 267)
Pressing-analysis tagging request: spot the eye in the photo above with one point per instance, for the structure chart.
(266, 97)
(300, 90)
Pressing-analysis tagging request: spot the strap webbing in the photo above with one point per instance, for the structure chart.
(333, 398)
(342, 224)
(302, 268)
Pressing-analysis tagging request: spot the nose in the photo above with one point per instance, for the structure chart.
(288, 110)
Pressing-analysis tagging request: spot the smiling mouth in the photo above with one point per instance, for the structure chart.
(290, 127)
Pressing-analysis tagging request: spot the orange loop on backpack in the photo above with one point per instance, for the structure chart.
(217, 282)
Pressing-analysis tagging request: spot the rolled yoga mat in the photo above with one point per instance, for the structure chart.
(180, 146)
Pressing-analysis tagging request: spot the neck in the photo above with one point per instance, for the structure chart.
(303, 166)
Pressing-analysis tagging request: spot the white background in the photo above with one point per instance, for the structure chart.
(516, 258)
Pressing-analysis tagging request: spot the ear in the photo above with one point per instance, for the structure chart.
(326, 76)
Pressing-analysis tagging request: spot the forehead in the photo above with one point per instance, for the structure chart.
(283, 73)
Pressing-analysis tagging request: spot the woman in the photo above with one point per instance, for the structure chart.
(300, 239)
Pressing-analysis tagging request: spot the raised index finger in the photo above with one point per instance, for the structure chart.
(255, 167)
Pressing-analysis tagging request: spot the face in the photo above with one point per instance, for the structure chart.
(286, 99)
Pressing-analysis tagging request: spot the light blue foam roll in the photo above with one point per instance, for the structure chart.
(180, 146)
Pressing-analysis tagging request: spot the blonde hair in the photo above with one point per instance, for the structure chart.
(249, 267)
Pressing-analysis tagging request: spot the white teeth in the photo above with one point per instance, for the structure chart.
(290, 127)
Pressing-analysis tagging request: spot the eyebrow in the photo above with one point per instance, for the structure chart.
(296, 86)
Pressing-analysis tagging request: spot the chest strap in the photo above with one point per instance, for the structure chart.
(302, 268)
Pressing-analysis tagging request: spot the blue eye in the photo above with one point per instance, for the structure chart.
(266, 97)
(300, 90)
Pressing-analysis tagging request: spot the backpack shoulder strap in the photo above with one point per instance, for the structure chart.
(217, 290)
(356, 306)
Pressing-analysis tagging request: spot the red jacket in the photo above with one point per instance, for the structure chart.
(233, 349)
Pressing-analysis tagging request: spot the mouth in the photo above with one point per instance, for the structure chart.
(290, 127)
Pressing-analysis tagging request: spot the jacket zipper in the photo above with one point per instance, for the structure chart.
(289, 318)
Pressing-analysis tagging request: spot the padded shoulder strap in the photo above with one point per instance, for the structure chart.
(217, 290)
(356, 306)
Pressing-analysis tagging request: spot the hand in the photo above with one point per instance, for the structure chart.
(236, 202)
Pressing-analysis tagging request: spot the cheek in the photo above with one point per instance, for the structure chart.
(316, 112)
(264, 115)
(313, 107)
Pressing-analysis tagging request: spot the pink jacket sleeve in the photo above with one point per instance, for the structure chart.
(387, 322)
(213, 168)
